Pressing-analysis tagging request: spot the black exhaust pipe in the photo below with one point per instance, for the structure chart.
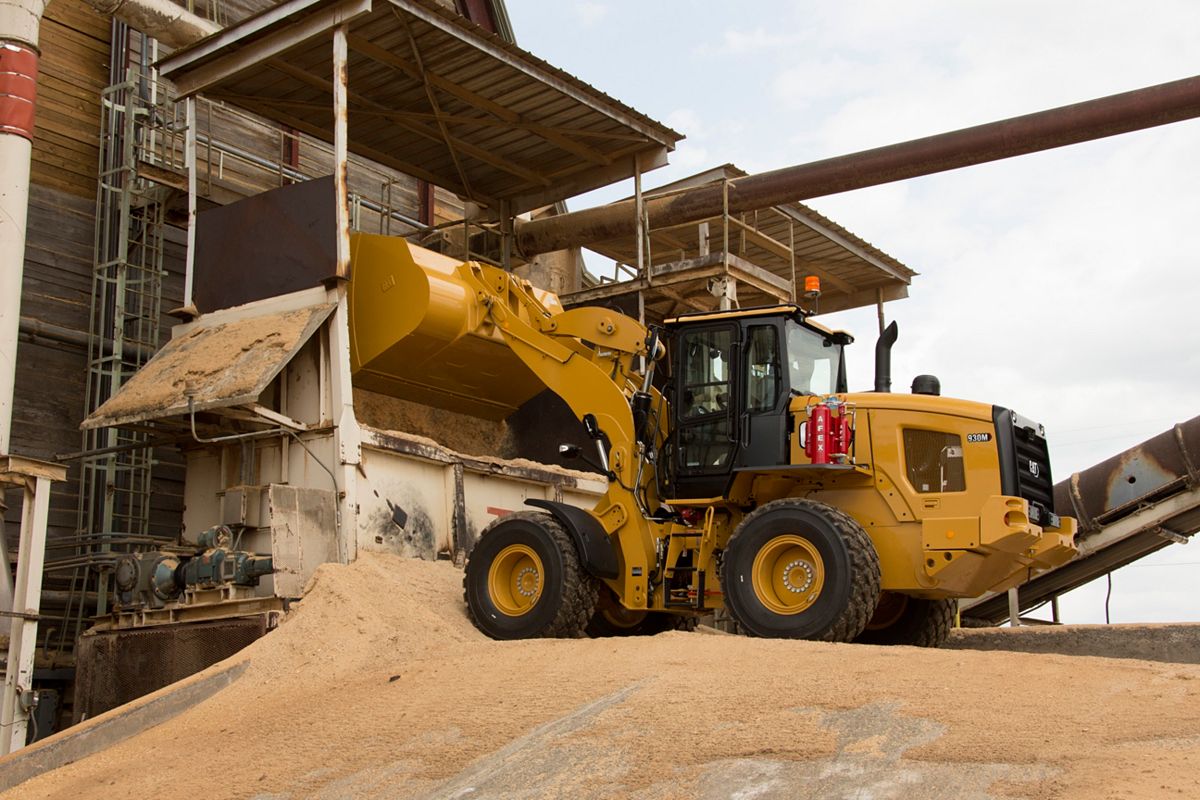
(883, 358)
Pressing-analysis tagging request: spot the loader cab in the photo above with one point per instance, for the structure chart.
(733, 376)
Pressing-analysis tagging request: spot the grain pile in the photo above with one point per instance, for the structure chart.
(378, 686)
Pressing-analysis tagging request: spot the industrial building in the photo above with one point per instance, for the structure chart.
(206, 184)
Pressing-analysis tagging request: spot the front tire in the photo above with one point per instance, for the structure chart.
(523, 580)
(800, 569)
(900, 619)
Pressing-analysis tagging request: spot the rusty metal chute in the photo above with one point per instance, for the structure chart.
(1030, 133)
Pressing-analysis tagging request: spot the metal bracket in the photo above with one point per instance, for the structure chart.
(1086, 523)
(1193, 476)
(1171, 535)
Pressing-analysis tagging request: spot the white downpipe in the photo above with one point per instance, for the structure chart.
(19, 24)
(21, 19)
(14, 204)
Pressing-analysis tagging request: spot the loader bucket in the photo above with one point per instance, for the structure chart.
(417, 332)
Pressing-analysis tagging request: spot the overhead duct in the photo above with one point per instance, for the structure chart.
(168, 22)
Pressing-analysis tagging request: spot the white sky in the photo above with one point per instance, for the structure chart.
(1060, 284)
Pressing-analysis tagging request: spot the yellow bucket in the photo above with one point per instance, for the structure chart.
(418, 332)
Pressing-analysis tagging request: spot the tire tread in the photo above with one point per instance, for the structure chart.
(581, 591)
(864, 567)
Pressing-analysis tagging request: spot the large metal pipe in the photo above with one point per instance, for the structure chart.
(168, 22)
(1043, 130)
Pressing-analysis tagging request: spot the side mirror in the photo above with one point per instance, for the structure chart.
(568, 450)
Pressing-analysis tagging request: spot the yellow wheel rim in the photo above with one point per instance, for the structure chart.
(515, 580)
(788, 574)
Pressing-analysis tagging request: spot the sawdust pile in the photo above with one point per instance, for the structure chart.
(378, 686)
(462, 432)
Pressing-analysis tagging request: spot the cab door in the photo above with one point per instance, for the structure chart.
(764, 423)
(706, 409)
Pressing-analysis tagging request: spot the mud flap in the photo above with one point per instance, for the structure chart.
(595, 549)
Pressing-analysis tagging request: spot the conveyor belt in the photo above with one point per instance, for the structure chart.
(1128, 506)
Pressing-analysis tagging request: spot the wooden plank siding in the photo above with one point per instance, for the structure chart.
(72, 71)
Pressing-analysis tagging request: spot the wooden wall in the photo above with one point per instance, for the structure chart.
(72, 71)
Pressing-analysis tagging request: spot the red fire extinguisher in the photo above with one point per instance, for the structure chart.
(817, 445)
(829, 433)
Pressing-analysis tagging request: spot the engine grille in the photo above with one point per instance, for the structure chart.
(1025, 463)
(115, 667)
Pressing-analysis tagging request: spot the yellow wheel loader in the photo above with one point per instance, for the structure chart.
(742, 474)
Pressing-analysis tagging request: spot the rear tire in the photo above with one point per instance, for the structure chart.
(904, 620)
(613, 619)
(800, 569)
(523, 580)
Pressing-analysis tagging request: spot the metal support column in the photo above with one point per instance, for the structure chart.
(34, 477)
(639, 209)
(1014, 608)
(189, 158)
(340, 150)
(349, 448)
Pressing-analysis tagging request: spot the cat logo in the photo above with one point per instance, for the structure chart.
(1034, 469)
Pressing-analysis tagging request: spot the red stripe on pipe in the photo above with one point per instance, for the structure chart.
(18, 88)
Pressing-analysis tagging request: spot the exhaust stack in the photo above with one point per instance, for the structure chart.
(883, 358)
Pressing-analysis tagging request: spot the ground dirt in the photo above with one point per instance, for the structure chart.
(378, 686)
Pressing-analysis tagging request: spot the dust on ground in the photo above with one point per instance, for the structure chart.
(378, 686)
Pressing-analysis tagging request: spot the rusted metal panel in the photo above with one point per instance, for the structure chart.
(269, 244)
(1044, 130)
(1143, 474)
(303, 525)
(218, 364)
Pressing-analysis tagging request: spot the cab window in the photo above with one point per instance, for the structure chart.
(764, 378)
(813, 361)
(706, 438)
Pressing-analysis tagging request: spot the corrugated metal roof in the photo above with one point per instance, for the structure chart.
(430, 94)
(853, 272)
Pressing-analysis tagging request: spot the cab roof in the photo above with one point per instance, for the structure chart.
(785, 309)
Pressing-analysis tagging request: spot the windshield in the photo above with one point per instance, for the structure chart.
(813, 361)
